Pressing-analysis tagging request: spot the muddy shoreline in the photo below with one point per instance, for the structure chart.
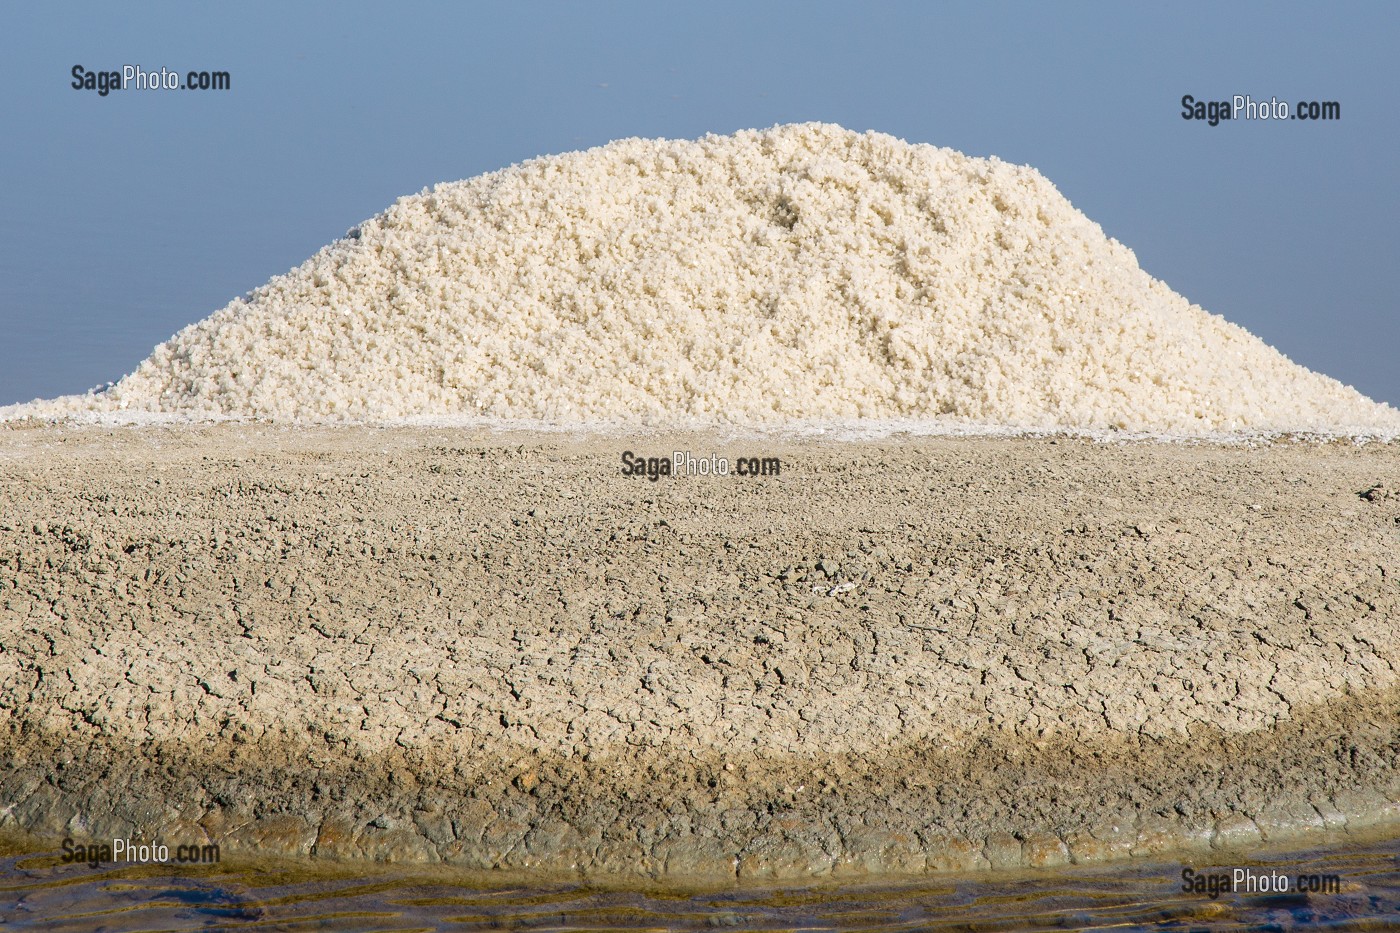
(497, 652)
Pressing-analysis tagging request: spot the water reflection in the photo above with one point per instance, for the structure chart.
(40, 893)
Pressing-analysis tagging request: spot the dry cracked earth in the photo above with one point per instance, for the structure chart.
(497, 651)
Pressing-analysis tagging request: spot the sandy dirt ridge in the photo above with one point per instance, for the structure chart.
(499, 652)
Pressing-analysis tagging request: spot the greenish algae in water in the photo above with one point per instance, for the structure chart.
(39, 892)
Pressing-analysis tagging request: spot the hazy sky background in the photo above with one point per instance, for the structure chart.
(125, 218)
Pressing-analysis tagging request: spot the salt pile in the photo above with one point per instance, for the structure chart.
(804, 272)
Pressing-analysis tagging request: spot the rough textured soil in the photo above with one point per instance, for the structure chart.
(498, 651)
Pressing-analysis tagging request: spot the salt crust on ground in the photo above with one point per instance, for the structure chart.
(893, 657)
(799, 273)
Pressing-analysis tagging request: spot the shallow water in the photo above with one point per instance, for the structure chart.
(37, 892)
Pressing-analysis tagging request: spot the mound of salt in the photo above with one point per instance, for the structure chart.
(796, 273)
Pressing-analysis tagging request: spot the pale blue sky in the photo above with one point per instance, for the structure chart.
(127, 217)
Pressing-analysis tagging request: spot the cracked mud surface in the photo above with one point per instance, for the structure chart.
(496, 651)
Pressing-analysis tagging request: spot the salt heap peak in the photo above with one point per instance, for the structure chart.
(796, 273)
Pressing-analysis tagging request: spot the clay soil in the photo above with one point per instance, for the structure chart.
(497, 651)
